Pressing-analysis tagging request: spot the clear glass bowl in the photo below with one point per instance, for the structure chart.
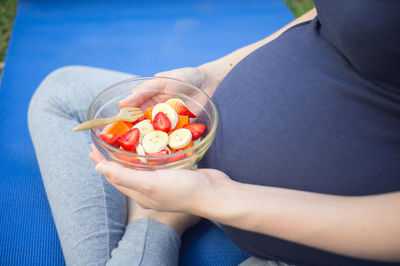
(106, 105)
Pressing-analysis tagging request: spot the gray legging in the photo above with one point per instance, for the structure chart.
(89, 213)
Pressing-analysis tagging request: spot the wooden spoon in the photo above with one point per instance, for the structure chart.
(126, 114)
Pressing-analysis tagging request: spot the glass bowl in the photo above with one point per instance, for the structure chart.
(155, 90)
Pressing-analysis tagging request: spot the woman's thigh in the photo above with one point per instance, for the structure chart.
(90, 215)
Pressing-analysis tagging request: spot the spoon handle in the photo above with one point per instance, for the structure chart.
(96, 123)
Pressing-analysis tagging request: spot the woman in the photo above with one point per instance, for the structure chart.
(304, 169)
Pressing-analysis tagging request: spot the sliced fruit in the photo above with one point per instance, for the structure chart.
(148, 113)
(155, 141)
(182, 120)
(191, 143)
(144, 127)
(176, 151)
(130, 139)
(189, 153)
(129, 124)
(182, 110)
(128, 158)
(176, 158)
(168, 110)
(179, 138)
(161, 122)
(118, 128)
(196, 129)
(109, 138)
(140, 151)
(138, 120)
(106, 128)
(158, 161)
(173, 101)
(162, 152)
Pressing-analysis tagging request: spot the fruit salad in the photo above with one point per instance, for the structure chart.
(164, 129)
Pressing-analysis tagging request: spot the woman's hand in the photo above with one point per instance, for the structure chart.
(178, 221)
(174, 190)
(199, 77)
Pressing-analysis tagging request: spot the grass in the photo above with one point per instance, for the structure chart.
(7, 14)
(299, 7)
(8, 9)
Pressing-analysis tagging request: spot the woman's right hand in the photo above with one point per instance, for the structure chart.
(178, 221)
(198, 77)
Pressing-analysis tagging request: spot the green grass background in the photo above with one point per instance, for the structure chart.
(9, 7)
(7, 14)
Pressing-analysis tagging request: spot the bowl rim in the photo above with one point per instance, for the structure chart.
(209, 136)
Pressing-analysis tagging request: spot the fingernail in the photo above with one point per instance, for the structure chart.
(101, 168)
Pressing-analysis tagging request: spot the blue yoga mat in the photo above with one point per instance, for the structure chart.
(139, 37)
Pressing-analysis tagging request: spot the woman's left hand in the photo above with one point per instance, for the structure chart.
(175, 190)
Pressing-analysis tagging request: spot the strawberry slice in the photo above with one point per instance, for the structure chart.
(138, 120)
(130, 139)
(196, 129)
(182, 110)
(109, 138)
(162, 122)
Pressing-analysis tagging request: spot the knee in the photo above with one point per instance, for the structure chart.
(54, 82)
(49, 86)
(68, 91)
(59, 81)
(54, 90)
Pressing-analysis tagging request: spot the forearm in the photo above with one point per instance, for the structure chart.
(365, 227)
(220, 67)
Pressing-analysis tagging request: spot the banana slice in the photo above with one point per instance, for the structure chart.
(173, 101)
(144, 127)
(179, 138)
(140, 151)
(155, 141)
(168, 110)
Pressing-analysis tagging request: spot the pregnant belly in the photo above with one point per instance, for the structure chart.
(292, 118)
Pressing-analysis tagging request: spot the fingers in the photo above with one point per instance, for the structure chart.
(95, 155)
(150, 92)
(143, 93)
(137, 99)
(118, 175)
